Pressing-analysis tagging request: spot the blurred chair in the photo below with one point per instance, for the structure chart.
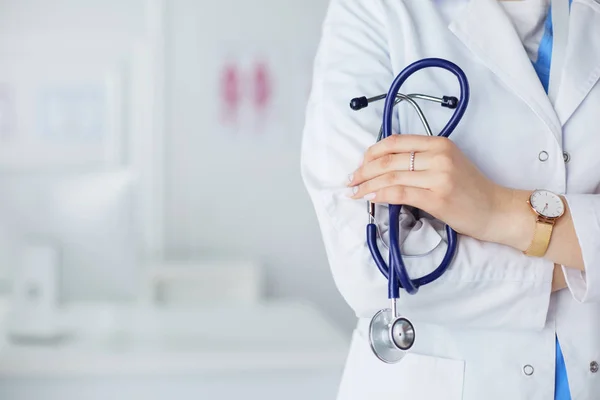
(203, 283)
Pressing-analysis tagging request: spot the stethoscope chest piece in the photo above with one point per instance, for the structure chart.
(390, 337)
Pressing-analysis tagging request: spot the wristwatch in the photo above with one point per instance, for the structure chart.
(548, 207)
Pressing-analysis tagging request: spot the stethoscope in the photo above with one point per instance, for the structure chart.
(390, 334)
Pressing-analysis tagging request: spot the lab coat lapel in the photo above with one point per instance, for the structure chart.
(487, 31)
(582, 63)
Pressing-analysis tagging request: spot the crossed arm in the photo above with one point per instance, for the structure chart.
(448, 186)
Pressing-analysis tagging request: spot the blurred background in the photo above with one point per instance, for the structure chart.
(156, 240)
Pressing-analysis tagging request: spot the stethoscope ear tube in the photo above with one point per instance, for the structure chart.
(377, 257)
(452, 238)
(396, 262)
(463, 102)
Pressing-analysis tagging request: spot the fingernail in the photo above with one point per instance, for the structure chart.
(352, 191)
(369, 197)
(350, 178)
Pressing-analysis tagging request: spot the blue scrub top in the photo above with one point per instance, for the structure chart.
(542, 68)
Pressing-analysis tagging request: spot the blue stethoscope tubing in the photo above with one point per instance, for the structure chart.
(396, 273)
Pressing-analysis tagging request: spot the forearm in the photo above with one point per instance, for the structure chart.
(517, 230)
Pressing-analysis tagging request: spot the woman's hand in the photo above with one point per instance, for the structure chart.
(444, 183)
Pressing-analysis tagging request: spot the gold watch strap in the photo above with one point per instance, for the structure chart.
(541, 239)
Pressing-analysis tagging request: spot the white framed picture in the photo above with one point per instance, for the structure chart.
(61, 111)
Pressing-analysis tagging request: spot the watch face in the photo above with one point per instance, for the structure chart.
(547, 204)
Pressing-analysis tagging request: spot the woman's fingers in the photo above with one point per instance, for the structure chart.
(406, 195)
(386, 176)
(413, 179)
(405, 144)
(389, 163)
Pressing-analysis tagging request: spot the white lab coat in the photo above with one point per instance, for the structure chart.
(486, 329)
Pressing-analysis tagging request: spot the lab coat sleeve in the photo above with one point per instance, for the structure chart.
(585, 212)
(487, 286)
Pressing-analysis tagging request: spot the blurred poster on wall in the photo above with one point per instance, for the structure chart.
(253, 84)
(261, 93)
(230, 94)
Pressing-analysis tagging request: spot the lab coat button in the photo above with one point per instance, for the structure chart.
(528, 370)
(594, 367)
(566, 157)
(543, 156)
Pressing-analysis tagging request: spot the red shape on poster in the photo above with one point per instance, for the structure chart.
(230, 93)
(262, 86)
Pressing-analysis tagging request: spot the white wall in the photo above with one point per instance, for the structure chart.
(238, 193)
(225, 193)
(107, 45)
(77, 19)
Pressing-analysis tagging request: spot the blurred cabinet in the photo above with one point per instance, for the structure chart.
(203, 283)
(266, 351)
(270, 385)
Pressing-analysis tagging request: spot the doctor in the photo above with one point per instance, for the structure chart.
(517, 316)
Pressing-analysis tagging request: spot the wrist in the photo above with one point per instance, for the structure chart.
(515, 223)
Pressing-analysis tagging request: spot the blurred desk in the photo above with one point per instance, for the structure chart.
(266, 351)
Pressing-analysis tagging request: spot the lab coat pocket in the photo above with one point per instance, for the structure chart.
(415, 377)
